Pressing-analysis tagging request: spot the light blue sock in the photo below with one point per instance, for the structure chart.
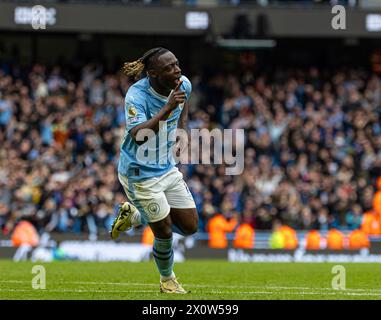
(163, 255)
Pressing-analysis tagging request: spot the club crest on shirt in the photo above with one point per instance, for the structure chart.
(132, 111)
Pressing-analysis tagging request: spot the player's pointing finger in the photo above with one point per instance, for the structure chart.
(178, 85)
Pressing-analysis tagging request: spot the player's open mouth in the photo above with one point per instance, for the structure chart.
(177, 80)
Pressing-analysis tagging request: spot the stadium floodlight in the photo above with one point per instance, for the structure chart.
(197, 20)
(373, 22)
(246, 43)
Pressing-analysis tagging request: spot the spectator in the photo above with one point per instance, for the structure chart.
(312, 147)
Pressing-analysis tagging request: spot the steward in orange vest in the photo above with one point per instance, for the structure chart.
(217, 227)
(313, 240)
(25, 234)
(335, 239)
(148, 236)
(377, 198)
(290, 238)
(371, 223)
(244, 236)
(358, 240)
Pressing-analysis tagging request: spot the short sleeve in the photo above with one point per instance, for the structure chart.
(135, 111)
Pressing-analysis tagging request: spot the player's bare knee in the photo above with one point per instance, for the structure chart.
(163, 234)
(194, 222)
(191, 227)
(162, 229)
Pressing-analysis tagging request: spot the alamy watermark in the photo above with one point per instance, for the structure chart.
(338, 22)
(39, 280)
(200, 146)
(37, 16)
(339, 280)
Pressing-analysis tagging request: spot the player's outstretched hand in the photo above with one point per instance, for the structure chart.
(176, 97)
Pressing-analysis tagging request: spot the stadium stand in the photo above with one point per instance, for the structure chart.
(311, 158)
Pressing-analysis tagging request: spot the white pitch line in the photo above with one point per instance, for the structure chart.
(203, 286)
(211, 292)
(224, 286)
(78, 290)
(341, 292)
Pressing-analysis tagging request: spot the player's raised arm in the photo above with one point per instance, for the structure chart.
(176, 97)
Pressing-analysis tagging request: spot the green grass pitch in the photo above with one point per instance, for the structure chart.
(214, 280)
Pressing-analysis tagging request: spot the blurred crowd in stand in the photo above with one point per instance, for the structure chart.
(312, 148)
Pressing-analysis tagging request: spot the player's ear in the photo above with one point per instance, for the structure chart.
(152, 73)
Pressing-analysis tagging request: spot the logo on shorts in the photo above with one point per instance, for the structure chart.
(153, 208)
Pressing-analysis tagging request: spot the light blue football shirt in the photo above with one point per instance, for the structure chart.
(154, 157)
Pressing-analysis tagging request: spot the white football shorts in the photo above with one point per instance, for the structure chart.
(154, 197)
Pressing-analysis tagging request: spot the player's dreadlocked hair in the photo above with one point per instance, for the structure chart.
(138, 68)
